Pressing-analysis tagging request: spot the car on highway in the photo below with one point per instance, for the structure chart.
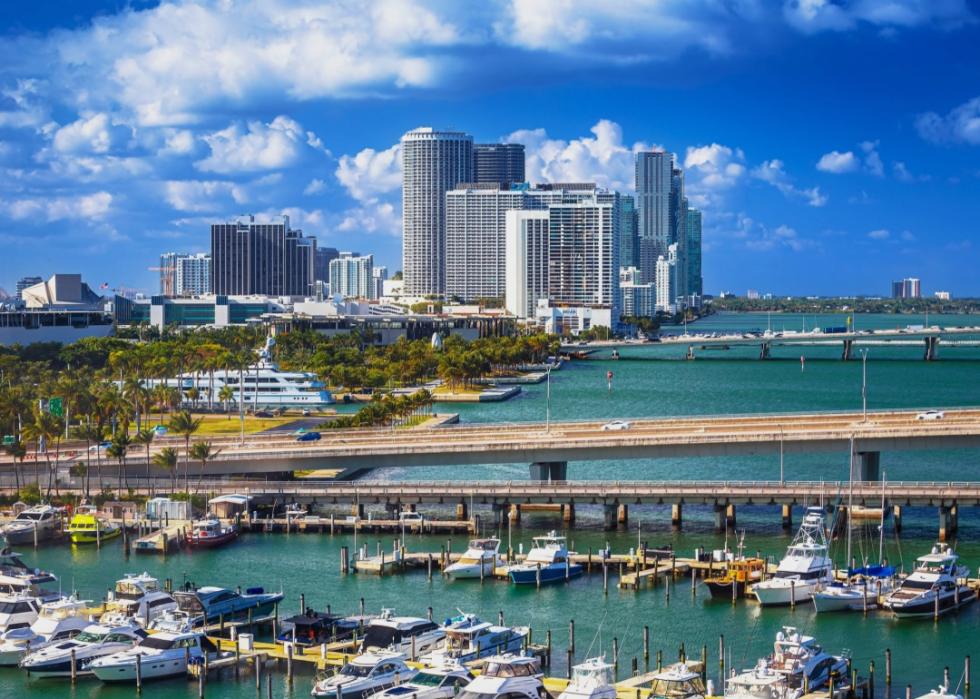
(616, 426)
(101, 446)
(931, 415)
(263, 413)
(309, 437)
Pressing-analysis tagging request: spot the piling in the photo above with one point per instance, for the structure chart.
(660, 660)
(500, 618)
(871, 678)
(966, 674)
(646, 644)
(908, 691)
(548, 646)
(201, 678)
(269, 688)
(428, 567)
(74, 667)
(694, 583)
(605, 578)
(888, 667)
(615, 654)
(792, 600)
(946, 675)
(634, 669)
(139, 674)
(704, 662)
(682, 653)
(571, 635)
(428, 612)
(258, 673)
(289, 661)
(569, 660)
(721, 660)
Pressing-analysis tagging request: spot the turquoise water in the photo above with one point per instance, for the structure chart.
(648, 382)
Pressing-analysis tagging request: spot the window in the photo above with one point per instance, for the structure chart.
(158, 643)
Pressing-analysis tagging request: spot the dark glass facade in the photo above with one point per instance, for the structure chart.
(267, 259)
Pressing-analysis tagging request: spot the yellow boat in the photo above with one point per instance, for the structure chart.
(86, 528)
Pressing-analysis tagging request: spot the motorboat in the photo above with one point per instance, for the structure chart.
(208, 604)
(506, 677)
(942, 692)
(172, 620)
(592, 679)
(364, 675)
(862, 590)
(18, 610)
(802, 662)
(677, 681)
(440, 681)
(761, 682)
(56, 621)
(15, 576)
(38, 523)
(469, 638)
(804, 567)
(311, 628)
(87, 528)
(480, 559)
(937, 586)
(548, 561)
(740, 574)
(136, 598)
(403, 634)
(211, 533)
(163, 654)
(94, 641)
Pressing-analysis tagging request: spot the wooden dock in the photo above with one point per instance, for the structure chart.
(163, 540)
(334, 524)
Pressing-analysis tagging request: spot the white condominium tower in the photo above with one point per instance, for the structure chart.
(433, 162)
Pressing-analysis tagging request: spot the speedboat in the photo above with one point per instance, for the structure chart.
(678, 681)
(15, 576)
(56, 621)
(942, 692)
(86, 528)
(164, 654)
(207, 605)
(311, 628)
(804, 567)
(211, 533)
(40, 521)
(136, 598)
(507, 677)
(802, 662)
(862, 590)
(469, 638)
(440, 681)
(936, 586)
(592, 679)
(172, 620)
(759, 683)
(365, 675)
(94, 641)
(547, 561)
(18, 610)
(481, 555)
(402, 634)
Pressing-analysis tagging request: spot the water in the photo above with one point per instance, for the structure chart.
(648, 382)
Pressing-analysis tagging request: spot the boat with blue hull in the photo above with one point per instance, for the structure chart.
(208, 605)
(547, 562)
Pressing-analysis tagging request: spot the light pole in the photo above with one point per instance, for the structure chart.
(864, 384)
(782, 480)
(547, 422)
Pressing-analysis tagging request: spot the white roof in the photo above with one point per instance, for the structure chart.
(235, 499)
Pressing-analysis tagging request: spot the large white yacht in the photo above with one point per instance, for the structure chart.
(137, 598)
(262, 385)
(935, 587)
(15, 576)
(365, 675)
(469, 638)
(507, 676)
(481, 553)
(403, 634)
(163, 654)
(440, 681)
(94, 641)
(678, 681)
(804, 567)
(41, 522)
(57, 621)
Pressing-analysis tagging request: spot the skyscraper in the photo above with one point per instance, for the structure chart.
(654, 175)
(498, 163)
(908, 288)
(695, 282)
(193, 275)
(352, 276)
(261, 258)
(433, 162)
(321, 264)
(666, 284)
(628, 242)
(678, 230)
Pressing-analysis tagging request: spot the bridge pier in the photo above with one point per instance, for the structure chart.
(357, 510)
(932, 348)
(623, 515)
(392, 509)
(724, 517)
(897, 518)
(690, 351)
(568, 513)
(848, 346)
(515, 513)
(609, 516)
(462, 512)
(676, 515)
(764, 350)
(787, 517)
(870, 465)
(549, 470)
(498, 511)
(948, 522)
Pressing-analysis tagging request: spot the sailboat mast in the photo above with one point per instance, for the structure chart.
(881, 524)
(850, 501)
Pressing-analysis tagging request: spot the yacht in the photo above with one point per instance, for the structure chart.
(57, 621)
(592, 679)
(18, 610)
(678, 681)
(469, 638)
(804, 567)
(862, 590)
(802, 662)
(936, 586)
(547, 561)
(481, 554)
(211, 533)
(208, 605)
(44, 521)
(507, 677)
(759, 683)
(263, 385)
(403, 634)
(94, 641)
(136, 598)
(440, 681)
(163, 654)
(15, 576)
(365, 675)
(86, 528)
(942, 692)
(311, 628)
(172, 620)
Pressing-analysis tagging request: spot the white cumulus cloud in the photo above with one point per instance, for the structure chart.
(837, 162)
(879, 234)
(772, 172)
(256, 147)
(85, 206)
(203, 195)
(95, 133)
(371, 173)
(811, 16)
(961, 125)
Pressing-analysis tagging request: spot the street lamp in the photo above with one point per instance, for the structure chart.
(864, 384)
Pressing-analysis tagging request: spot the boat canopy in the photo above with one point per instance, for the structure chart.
(878, 571)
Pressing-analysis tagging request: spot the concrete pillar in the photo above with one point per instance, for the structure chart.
(846, 354)
(461, 511)
(932, 349)
(498, 511)
(945, 524)
(719, 518)
(840, 521)
(690, 352)
(515, 513)
(676, 515)
(787, 517)
(897, 518)
(870, 469)
(764, 350)
(623, 515)
(549, 470)
(391, 510)
(357, 510)
(568, 512)
(954, 517)
(730, 517)
(609, 516)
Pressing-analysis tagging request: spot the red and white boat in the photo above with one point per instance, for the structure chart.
(210, 532)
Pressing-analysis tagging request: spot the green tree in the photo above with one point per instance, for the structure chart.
(203, 451)
(118, 449)
(185, 424)
(167, 459)
(226, 395)
(144, 438)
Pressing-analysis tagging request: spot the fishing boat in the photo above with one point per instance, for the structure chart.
(15, 576)
(365, 675)
(312, 628)
(804, 567)
(469, 638)
(439, 681)
(678, 681)
(211, 533)
(592, 679)
(547, 562)
(401, 634)
(18, 610)
(936, 587)
(740, 574)
(94, 641)
(86, 528)
(207, 605)
(137, 599)
(480, 559)
(57, 621)
(507, 677)
(163, 654)
(38, 523)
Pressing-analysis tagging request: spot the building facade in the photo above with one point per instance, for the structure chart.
(666, 284)
(654, 177)
(628, 242)
(25, 282)
(321, 263)
(678, 231)
(193, 275)
(695, 282)
(527, 261)
(271, 259)
(498, 163)
(352, 276)
(433, 162)
(908, 288)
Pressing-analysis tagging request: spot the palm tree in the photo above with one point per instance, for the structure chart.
(225, 395)
(45, 428)
(144, 438)
(117, 450)
(183, 423)
(90, 432)
(18, 451)
(203, 451)
(166, 459)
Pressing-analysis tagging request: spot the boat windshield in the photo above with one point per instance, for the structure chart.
(29, 516)
(90, 637)
(677, 688)
(352, 670)
(428, 679)
(476, 695)
(157, 643)
(495, 669)
(15, 607)
(917, 584)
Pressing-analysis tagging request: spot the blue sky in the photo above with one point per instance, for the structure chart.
(833, 146)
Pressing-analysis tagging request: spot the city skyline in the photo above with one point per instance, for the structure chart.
(819, 140)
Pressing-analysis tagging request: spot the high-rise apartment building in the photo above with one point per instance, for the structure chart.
(352, 276)
(628, 242)
(379, 275)
(666, 284)
(433, 162)
(25, 282)
(678, 230)
(182, 274)
(638, 298)
(268, 259)
(498, 163)
(654, 178)
(908, 288)
(695, 282)
(527, 260)
(321, 263)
